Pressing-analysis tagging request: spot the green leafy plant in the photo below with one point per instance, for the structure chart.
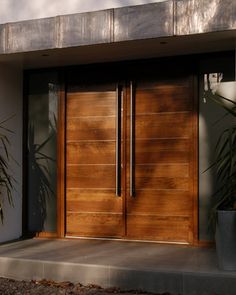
(6, 179)
(224, 158)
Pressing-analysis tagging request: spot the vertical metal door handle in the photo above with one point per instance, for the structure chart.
(118, 140)
(132, 137)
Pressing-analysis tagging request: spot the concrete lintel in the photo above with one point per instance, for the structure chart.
(155, 20)
(204, 16)
(86, 28)
(144, 21)
(2, 39)
(31, 35)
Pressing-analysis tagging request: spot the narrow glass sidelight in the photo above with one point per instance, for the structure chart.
(118, 139)
(42, 116)
(132, 137)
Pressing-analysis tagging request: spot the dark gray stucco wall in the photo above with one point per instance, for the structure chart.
(211, 125)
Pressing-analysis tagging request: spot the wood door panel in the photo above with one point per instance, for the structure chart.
(160, 202)
(162, 183)
(91, 176)
(159, 151)
(176, 100)
(76, 152)
(160, 228)
(162, 170)
(92, 208)
(162, 206)
(150, 145)
(91, 128)
(162, 177)
(163, 157)
(104, 102)
(161, 125)
(77, 201)
(95, 224)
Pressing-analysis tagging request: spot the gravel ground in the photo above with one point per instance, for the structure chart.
(12, 287)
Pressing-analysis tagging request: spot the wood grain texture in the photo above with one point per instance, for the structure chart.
(92, 208)
(160, 202)
(94, 224)
(159, 228)
(91, 176)
(176, 99)
(162, 151)
(104, 102)
(160, 125)
(162, 208)
(76, 152)
(99, 200)
(91, 128)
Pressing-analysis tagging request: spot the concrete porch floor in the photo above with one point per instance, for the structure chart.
(129, 265)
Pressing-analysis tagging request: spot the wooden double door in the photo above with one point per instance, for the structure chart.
(130, 159)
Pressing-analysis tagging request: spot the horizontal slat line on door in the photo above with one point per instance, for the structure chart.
(98, 205)
(154, 145)
(90, 117)
(161, 113)
(89, 165)
(163, 183)
(161, 138)
(88, 188)
(90, 140)
(151, 85)
(90, 122)
(160, 164)
(159, 228)
(165, 202)
(160, 215)
(165, 158)
(104, 102)
(162, 189)
(160, 118)
(181, 116)
(68, 165)
(82, 92)
(93, 212)
(113, 188)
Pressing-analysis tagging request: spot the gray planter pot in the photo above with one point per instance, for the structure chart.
(226, 239)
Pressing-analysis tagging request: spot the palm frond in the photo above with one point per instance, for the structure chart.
(6, 179)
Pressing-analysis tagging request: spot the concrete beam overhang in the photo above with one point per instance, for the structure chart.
(121, 51)
(172, 18)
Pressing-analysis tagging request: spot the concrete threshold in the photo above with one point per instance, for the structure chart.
(150, 267)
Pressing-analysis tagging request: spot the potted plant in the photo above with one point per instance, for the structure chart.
(223, 213)
(6, 179)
